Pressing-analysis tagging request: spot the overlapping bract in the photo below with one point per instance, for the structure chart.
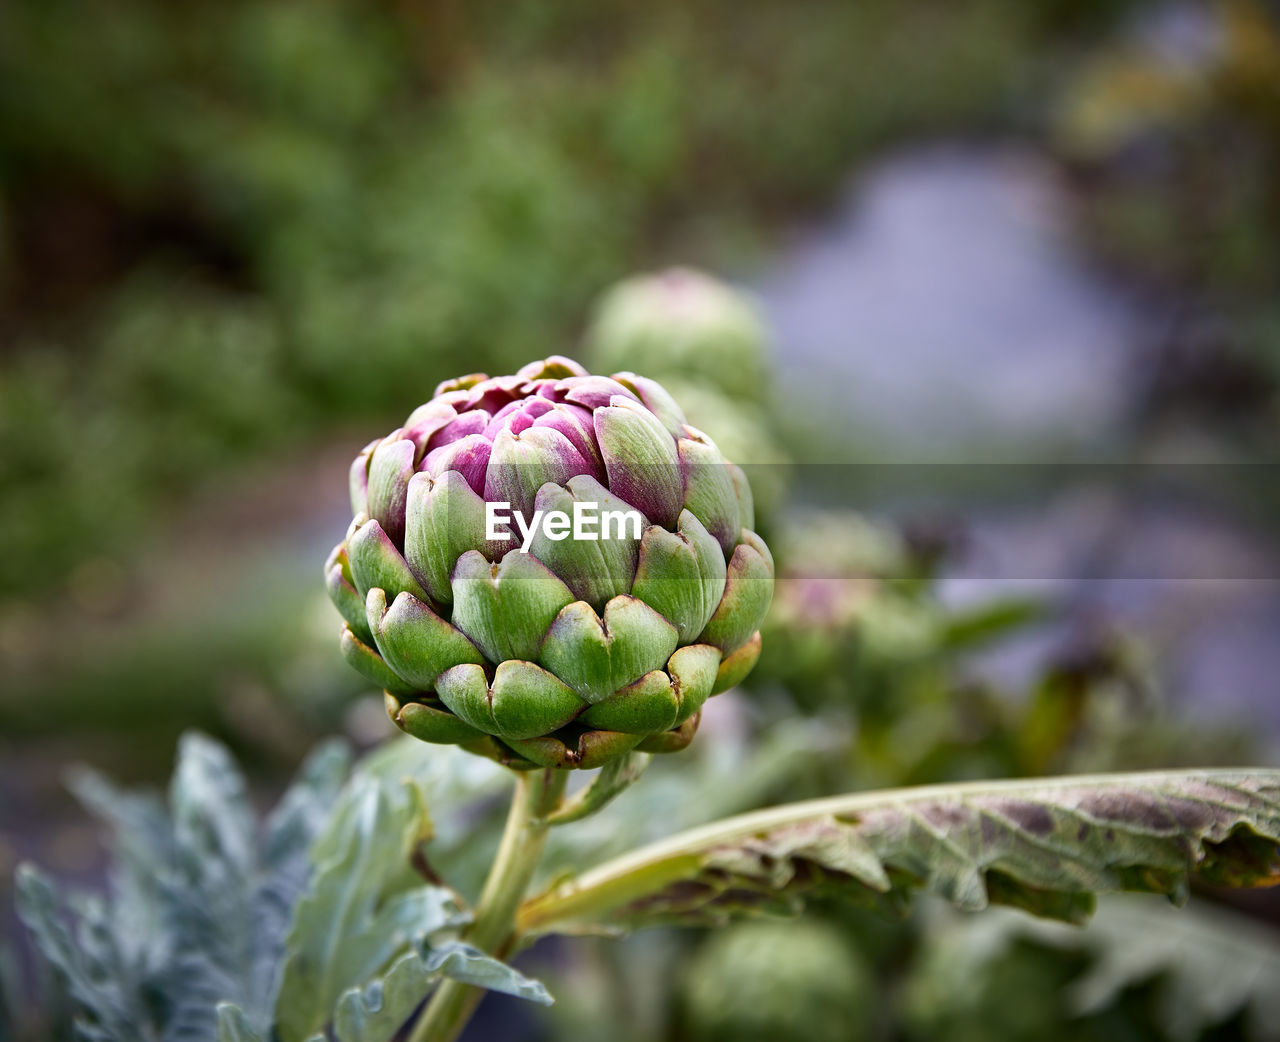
(579, 650)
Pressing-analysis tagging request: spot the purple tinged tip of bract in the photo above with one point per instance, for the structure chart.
(518, 416)
(656, 486)
(455, 431)
(592, 392)
(458, 384)
(522, 462)
(469, 456)
(575, 424)
(473, 422)
(559, 451)
(492, 394)
(426, 420)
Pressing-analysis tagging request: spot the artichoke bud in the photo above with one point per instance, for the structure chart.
(686, 325)
(550, 568)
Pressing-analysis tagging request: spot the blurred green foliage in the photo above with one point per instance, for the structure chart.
(1172, 133)
(225, 227)
(1139, 970)
(228, 229)
(767, 980)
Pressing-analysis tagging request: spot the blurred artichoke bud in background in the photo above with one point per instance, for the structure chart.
(710, 347)
(630, 589)
(683, 325)
(847, 614)
(769, 980)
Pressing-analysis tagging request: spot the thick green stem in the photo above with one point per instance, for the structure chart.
(537, 794)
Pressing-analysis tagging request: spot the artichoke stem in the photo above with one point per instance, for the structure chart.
(537, 794)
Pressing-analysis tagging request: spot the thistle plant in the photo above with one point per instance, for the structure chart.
(479, 590)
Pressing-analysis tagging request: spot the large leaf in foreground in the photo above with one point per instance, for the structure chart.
(199, 903)
(370, 936)
(215, 922)
(1046, 846)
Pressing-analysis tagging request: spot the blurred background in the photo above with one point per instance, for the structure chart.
(997, 337)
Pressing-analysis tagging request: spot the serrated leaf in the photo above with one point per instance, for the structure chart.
(141, 841)
(207, 894)
(378, 1011)
(110, 1008)
(1204, 964)
(462, 962)
(364, 907)
(1045, 846)
(1211, 963)
(289, 834)
(197, 911)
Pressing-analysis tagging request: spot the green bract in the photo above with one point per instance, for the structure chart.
(628, 590)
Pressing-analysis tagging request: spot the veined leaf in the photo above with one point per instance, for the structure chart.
(364, 905)
(1046, 846)
(376, 1012)
(462, 962)
(369, 920)
(213, 925)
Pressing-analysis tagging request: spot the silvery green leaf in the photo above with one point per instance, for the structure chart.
(462, 962)
(365, 904)
(377, 1011)
(369, 939)
(290, 831)
(198, 907)
(233, 1025)
(141, 840)
(110, 1008)
(207, 894)
(466, 794)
